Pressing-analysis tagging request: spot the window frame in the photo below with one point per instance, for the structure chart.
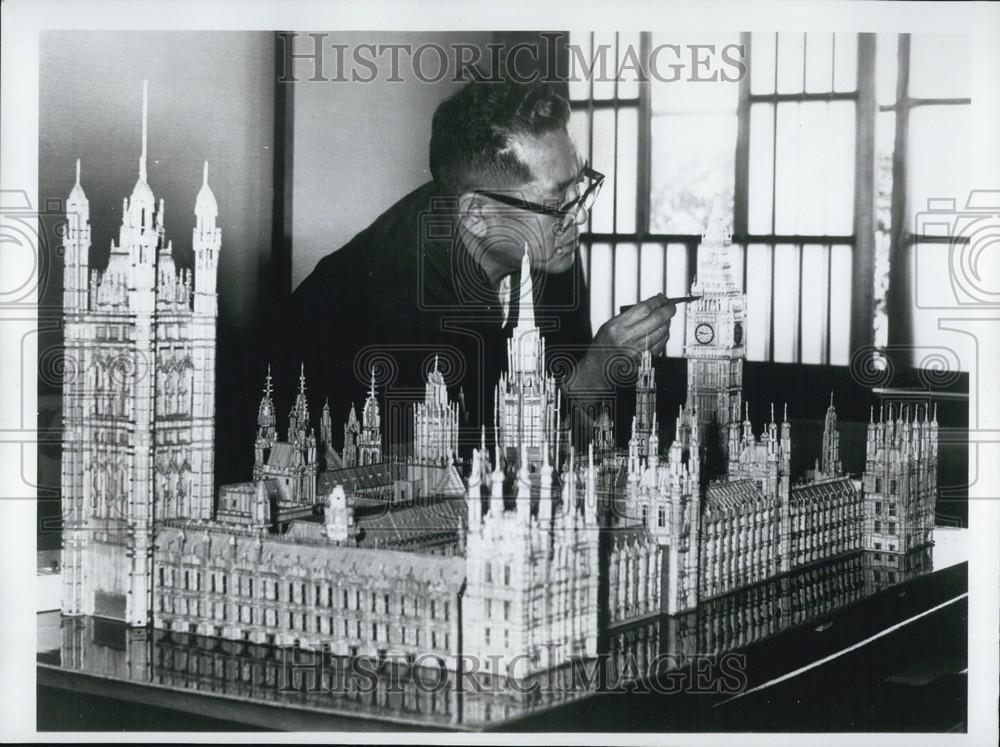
(861, 240)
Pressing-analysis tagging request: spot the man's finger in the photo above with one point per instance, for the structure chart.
(651, 339)
(654, 320)
(642, 310)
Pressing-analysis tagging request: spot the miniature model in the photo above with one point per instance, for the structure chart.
(367, 554)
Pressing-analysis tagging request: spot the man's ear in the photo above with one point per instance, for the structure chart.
(472, 214)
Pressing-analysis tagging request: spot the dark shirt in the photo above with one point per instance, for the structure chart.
(401, 293)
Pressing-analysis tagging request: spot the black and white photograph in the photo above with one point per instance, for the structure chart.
(571, 375)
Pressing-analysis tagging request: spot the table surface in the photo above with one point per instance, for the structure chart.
(876, 663)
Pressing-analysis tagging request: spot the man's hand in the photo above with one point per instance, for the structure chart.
(644, 326)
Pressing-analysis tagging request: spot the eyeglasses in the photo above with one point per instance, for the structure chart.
(575, 211)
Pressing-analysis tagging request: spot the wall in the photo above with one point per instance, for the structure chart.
(211, 96)
(359, 147)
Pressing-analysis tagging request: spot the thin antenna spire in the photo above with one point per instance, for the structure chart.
(145, 109)
(78, 172)
(267, 382)
(204, 174)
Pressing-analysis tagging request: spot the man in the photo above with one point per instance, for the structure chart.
(436, 278)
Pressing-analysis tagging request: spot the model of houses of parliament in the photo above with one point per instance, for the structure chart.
(533, 557)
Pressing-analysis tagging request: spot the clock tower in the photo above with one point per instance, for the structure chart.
(715, 342)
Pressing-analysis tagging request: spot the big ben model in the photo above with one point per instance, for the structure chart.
(715, 343)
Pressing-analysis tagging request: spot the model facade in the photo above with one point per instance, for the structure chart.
(531, 558)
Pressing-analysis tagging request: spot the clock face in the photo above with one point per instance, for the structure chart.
(738, 334)
(704, 333)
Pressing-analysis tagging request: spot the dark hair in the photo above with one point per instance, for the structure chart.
(471, 132)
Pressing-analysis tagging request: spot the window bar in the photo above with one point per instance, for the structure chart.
(742, 177)
(774, 98)
(614, 194)
(861, 327)
(829, 304)
(644, 161)
(774, 176)
(896, 302)
(805, 56)
(663, 247)
(798, 308)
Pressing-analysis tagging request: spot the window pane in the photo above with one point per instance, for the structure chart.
(819, 62)
(940, 66)
(736, 264)
(758, 301)
(815, 168)
(786, 302)
(761, 176)
(626, 275)
(841, 262)
(602, 214)
(604, 74)
(579, 80)
(938, 155)
(627, 178)
(791, 48)
(845, 73)
(677, 285)
(691, 93)
(579, 132)
(814, 276)
(762, 53)
(584, 262)
(600, 288)
(651, 270)
(629, 65)
(839, 182)
(932, 263)
(693, 161)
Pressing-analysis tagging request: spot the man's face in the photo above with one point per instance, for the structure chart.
(555, 166)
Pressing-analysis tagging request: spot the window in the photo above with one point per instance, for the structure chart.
(923, 136)
(506, 611)
(506, 575)
(788, 149)
(777, 148)
(486, 636)
(661, 517)
(488, 571)
(489, 608)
